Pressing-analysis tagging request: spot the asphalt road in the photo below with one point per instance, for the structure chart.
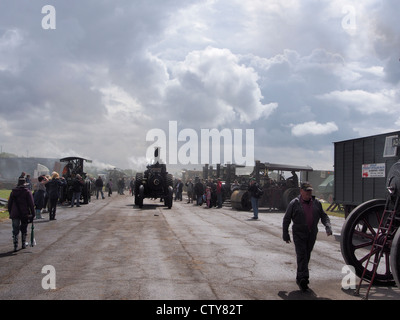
(111, 250)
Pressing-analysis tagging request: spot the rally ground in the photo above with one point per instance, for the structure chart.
(112, 250)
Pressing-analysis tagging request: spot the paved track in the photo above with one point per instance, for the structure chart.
(111, 250)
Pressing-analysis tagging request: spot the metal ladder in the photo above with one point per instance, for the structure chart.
(384, 232)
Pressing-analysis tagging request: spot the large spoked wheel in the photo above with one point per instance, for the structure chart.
(395, 258)
(358, 234)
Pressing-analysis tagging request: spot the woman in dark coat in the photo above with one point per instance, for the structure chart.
(22, 211)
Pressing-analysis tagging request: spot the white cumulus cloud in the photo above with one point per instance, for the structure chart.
(314, 128)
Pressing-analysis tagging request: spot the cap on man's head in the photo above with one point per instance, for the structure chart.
(306, 186)
(21, 181)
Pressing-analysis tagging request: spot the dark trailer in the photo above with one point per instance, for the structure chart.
(361, 168)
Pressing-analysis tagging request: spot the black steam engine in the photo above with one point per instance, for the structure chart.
(154, 183)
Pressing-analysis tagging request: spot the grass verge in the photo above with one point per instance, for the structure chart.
(3, 210)
(337, 212)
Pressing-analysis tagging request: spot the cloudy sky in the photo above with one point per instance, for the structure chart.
(95, 77)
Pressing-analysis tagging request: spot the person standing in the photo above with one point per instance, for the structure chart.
(22, 211)
(199, 191)
(99, 187)
(179, 190)
(254, 191)
(189, 185)
(109, 187)
(39, 196)
(208, 197)
(53, 187)
(305, 212)
(121, 186)
(77, 186)
(219, 193)
(132, 186)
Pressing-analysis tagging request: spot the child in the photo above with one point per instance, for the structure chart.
(208, 197)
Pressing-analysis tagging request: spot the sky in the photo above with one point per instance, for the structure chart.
(93, 78)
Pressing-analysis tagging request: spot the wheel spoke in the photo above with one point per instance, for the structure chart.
(362, 245)
(365, 258)
(364, 235)
(368, 225)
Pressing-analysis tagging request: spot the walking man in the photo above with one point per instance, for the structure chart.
(305, 212)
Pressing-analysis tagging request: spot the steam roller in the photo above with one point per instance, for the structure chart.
(240, 200)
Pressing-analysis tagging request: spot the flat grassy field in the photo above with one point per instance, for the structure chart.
(3, 210)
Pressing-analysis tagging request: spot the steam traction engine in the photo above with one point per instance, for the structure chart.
(154, 183)
(370, 241)
(277, 192)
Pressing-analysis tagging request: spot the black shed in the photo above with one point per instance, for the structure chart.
(361, 168)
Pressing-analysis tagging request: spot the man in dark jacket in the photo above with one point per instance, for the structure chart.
(254, 191)
(99, 187)
(22, 211)
(199, 191)
(305, 211)
(54, 186)
(77, 186)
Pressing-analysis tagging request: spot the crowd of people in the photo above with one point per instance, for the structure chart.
(25, 206)
(29, 201)
(209, 192)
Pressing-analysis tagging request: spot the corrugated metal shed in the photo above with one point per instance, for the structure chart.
(361, 167)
